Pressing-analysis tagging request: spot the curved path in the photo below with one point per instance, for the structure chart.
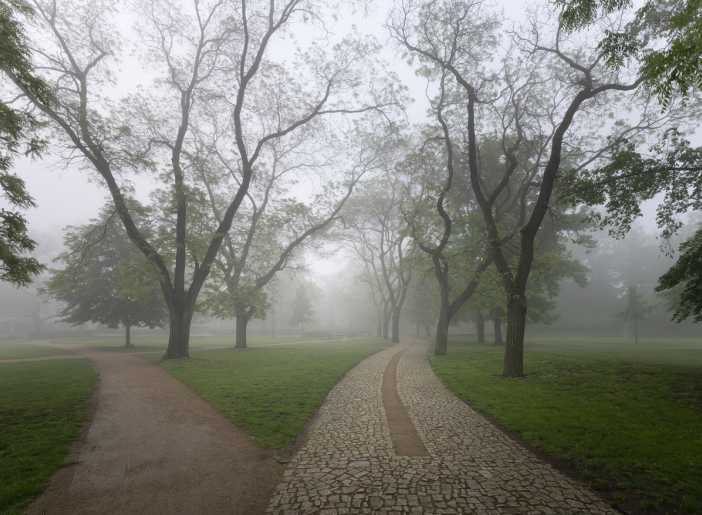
(153, 447)
(360, 456)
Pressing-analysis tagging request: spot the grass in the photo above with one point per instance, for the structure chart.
(19, 349)
(271, 391)
(624, 418)
(43, 405)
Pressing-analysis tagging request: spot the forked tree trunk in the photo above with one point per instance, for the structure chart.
(441, 339)
(242, 323)
(127, 336)
(480, 327)
(179, 337)
(497, 325)
(396, 326)
(516, 325)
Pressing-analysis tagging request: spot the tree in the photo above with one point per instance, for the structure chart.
(213, 70)
(379, 236)
(17, 135)
(265, 238)
(665, 36)
(636, 310)
(455, 234)
(105, 279)
(530, 103)
(302, 308)
(685, 279)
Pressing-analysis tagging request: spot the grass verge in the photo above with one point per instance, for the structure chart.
(271, 392)
(43, 406)
(629, 427)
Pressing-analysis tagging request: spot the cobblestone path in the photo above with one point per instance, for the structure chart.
(348, 464)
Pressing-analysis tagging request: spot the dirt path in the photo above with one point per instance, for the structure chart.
(155, 447)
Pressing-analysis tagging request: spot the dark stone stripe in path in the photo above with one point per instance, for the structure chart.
(405, 439)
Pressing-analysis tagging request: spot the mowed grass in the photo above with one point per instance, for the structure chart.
(271, 391)
(43, 406)
(626, 419)
(21, 349)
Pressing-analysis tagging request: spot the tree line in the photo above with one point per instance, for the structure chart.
(586, 104)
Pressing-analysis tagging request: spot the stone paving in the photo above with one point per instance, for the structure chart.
(348, 465)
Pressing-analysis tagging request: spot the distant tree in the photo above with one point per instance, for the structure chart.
(380, 239)
(16, 136)
(302, 308)
(637, 309)
(106, 280)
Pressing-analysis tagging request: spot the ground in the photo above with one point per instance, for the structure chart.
(624, 418)
(154, 443)
(210, 434)
(43, 406)
(271, 391)
(356, 460)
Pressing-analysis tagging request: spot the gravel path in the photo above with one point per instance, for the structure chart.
(154, 447)
(348, 463)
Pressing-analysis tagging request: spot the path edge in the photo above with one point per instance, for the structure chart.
(561, 465)
(63, 476)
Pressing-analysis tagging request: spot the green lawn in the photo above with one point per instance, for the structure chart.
(20, 349)
(626, 419)
(43, 406)
(271, 391)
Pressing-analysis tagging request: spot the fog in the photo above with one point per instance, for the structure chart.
(67, 193)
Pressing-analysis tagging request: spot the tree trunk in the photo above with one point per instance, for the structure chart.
(379, 328)
(242, 322)
(386, 327)
(516, 325)
(636, 331)
(480, 327)
(441, 340)
(127, 336)
(497, 324)
(396, 326)
(179, 337)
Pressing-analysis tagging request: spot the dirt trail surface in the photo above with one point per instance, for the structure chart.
(154, 447)
(348, 463)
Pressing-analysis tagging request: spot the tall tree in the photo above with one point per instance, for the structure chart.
(17, 135)
(448, 232)
(209, 57)
(530, 103)
(105, 279)
(379, 236)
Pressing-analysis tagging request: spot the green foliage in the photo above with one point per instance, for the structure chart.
(627, 425)
(16, 136)
(686, 275)
(43, 405)
(671, 167)
(106, 279)
(665, 36)
(271, 392)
